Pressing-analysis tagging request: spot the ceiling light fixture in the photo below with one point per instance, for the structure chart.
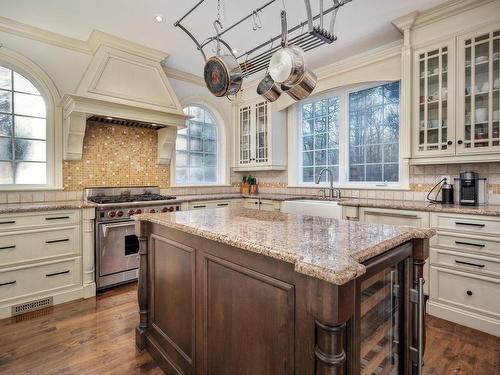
(235, 51)
(158, 18)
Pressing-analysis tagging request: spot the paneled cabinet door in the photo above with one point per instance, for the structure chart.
(434, 87)
(478, 92)
(254, 134)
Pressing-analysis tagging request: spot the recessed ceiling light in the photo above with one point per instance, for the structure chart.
(235, 51)
(158, 18)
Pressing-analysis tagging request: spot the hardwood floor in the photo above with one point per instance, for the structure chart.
(96, 336)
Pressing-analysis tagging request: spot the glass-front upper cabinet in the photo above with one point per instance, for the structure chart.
(433, 89)
(479, 84)
(261, 132)
(245, 134)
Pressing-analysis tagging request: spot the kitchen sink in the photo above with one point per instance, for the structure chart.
(323, 208)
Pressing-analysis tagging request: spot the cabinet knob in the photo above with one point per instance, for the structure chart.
(450, 143)
(460, 142)
(469, 292)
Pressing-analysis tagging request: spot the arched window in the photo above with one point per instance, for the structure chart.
(23, 131)
(196, 158)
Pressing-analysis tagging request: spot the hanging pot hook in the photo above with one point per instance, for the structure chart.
(257, 22)
(217, 22)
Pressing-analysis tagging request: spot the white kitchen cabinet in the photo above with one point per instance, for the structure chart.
(478, 117)
(46, 258)
(261, 137)
(398, 217)
(262, 204)
(434, 107)
(456, 101)
(465, 270)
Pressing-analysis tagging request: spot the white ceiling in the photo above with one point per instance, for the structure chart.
(361, 24)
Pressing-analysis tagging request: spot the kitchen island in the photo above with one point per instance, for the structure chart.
(236, 291)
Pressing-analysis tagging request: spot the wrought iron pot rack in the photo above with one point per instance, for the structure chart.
(257, 58)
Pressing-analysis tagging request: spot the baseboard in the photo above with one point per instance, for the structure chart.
(465, 318)
(59, 297)
(89, 290)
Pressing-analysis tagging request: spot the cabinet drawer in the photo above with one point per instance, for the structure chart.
(251, 204)
(48, 218)
(38, 245)
(269, 205)
(466, 224)
(25, 281)
(467, 243)
(466, 262)
(394, 217)
(471, 292)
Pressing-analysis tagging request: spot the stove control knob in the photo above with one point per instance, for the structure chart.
(111, 213)
(119, 213)
(171, 209)
(164, 209)
(152, 211)
(131, 212)
(138, 211)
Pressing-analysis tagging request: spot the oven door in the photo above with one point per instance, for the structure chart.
(118, 247)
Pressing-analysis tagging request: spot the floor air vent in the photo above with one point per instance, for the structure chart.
(31, 306)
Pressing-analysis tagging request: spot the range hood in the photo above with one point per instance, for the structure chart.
(123, 88)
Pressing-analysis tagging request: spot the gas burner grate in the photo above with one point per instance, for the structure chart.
(129, 198)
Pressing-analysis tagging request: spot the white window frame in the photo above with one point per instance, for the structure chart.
(295, 142)
(221, 170)
(48, 91)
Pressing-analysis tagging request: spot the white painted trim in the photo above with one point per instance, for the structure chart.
(48, 89)
(89, 46)
(223, 142)
(183, 76)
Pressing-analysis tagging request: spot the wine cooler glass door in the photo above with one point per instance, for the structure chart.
(380, 322)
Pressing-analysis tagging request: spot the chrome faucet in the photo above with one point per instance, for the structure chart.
(332, 193)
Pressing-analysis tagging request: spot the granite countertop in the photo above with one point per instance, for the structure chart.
(6, 208)
(489, 209)
(327, 249)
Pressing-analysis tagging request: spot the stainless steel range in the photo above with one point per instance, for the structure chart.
(117, 247)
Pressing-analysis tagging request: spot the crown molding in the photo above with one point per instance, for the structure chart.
(405, 22)
(89, 47)
(183, 76)
(446, 10)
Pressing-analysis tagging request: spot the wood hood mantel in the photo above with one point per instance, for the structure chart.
(121, 84)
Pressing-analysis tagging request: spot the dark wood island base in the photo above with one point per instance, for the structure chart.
(210, 308)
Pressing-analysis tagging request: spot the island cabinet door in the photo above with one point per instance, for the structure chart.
(383, 324)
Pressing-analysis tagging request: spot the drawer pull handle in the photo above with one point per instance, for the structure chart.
(470, 224)
(469, 264)
(201, 206)
(469, 292)
(387, 214)
(8, 283)
(55, 241)
(469, 244)
(222, 204)
(8, 247)
(57, 218)
(7, 222)
(56, 273)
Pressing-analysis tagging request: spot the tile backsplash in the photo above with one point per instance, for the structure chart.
(422, 179)
(116, 156)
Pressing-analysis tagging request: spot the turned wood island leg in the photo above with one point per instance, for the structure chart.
(142, 289)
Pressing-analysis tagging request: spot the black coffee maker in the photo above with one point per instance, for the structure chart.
(469, 188)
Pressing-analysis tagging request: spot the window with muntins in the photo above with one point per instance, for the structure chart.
(196, 159)
(320, 138)
(354, 133)
(23, 131)
(374, 134)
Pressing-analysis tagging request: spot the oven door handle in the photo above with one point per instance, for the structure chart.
(105, 227)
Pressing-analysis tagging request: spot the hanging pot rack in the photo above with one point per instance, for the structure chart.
(257, 58)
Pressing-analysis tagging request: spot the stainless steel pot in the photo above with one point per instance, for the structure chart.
(222, 73)
(303, 88)
(269, 89)
(287, 65)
